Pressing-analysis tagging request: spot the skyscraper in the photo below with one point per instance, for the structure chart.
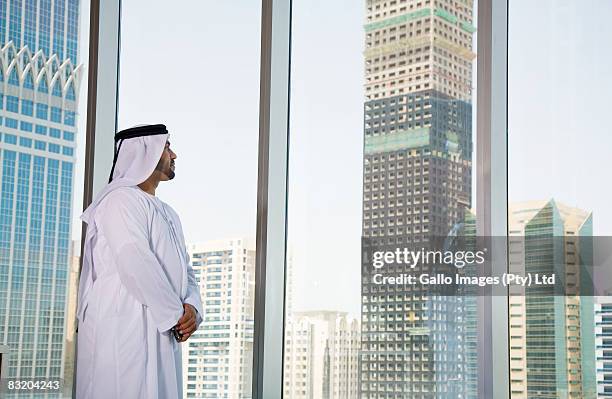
(39, 80)
(416, 185)
(603, 345)
(321, 356)
(218, 358)
(552, 349)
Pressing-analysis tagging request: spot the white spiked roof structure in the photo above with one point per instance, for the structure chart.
(53, 71)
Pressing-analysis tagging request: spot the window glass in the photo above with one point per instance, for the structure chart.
(195, 68)
(381, 160)
(559, 216)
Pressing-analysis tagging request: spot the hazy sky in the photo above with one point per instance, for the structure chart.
(195, 67)
(560, 96)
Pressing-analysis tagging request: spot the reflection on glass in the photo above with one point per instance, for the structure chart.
(387, 153)
(557, 145)
(41, 93)
(195, 68)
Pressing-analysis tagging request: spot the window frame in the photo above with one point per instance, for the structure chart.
(102, 97)
(271, 228)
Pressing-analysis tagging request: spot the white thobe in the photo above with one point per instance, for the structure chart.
(140, 280)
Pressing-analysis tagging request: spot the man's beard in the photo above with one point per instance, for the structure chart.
(167, 171)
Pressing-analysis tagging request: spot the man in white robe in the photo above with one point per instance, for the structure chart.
(136, 286)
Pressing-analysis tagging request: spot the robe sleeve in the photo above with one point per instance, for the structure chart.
(192, 295)
(193, 292)
(124, 224)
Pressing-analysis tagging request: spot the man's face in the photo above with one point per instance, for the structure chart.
(165, 166)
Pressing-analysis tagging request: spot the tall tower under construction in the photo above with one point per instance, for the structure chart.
(416, 186)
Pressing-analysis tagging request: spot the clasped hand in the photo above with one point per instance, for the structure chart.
(187, 323)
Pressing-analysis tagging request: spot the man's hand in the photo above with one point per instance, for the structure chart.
(187, 324)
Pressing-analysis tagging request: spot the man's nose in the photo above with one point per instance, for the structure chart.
(172, 155)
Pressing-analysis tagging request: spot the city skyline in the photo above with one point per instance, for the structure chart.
(323, 128)
(557, 130)
(321, 356)
(312, 123)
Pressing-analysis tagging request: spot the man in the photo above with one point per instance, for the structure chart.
(138, 296)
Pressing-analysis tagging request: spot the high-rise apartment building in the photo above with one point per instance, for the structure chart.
(416, 185)
(321, 356)
(218, 358)
(603, 346)
(39, 82)
(552, 350)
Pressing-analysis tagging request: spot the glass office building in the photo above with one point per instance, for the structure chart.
(39, 80)
(552, 349)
